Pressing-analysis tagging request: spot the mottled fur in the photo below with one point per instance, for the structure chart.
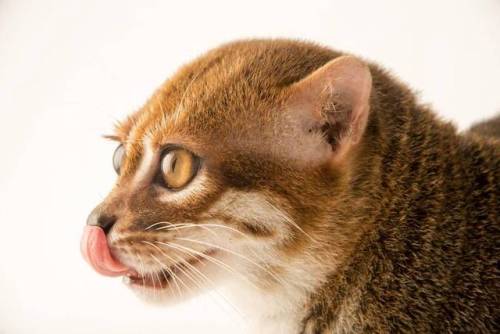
(401, 236)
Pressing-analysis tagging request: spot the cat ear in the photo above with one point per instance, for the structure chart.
(335, 99)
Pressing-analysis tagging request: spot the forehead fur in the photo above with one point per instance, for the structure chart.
(228, 99)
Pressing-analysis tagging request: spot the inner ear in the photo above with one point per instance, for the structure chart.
(335, 99)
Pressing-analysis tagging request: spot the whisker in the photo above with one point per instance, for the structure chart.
(156, 224)
(291, 222)
(179, 267)
(235, 254)
(213, 286)
(228, 228)
(154, 285)
(174, 276)
(187, 272)
(185, 225)
(189, 267)
(165, 276)
(144, 273)
(209, 258)
(207, 227)
(142, 269)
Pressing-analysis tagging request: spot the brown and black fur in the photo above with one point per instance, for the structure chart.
(430, 263)
(488, 128)
(411, 219)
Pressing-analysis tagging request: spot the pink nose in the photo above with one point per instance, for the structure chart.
(95, 250)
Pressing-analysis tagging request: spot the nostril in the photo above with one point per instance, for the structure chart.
(104, 221)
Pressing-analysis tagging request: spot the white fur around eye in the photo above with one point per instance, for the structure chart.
(147, 164)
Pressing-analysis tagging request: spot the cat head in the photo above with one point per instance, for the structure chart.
(232, 170)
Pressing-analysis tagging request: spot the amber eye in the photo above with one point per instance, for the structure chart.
(178, 167)
(118, 158)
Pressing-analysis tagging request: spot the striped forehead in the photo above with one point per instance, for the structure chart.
(218, 100)
(164, 114)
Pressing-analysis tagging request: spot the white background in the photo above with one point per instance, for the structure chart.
(69, 69)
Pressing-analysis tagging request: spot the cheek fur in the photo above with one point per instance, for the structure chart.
(237, 216)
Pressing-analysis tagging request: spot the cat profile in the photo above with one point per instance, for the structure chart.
(314, 186)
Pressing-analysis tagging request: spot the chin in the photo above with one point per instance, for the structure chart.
(176, 283)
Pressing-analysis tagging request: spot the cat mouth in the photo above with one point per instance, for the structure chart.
(175, 273)
(97, 253)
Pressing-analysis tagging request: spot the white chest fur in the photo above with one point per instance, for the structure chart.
(277, 312)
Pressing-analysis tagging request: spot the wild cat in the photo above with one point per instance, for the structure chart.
(314, 184)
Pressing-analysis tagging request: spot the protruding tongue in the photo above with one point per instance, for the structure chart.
(95, 250)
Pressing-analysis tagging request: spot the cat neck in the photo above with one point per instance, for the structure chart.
(423, 194)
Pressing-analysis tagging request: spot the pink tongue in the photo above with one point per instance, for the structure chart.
(95, 250)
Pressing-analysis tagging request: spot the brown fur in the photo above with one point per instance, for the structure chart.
(410, 220)
(488, 128)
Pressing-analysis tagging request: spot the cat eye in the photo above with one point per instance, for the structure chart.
(118, 158)
(178, 167)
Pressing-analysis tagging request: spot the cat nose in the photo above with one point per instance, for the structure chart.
(99, 218)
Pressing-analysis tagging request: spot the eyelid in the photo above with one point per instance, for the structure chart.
(187, 145)
(170, 147)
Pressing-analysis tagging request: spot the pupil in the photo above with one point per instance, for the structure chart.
(174, 163)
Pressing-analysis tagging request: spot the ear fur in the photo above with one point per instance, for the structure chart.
(335, 99)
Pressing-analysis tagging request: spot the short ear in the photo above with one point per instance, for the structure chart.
(335, 99)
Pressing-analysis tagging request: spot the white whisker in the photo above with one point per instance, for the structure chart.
(235, 254)
(185, 225)
(174, 276)
(143, 270)
(175, 264)
(156, 224)
(209, 258)
(207, 227)
(291, 222)
(187, 273)
(213, 286)
(154, 285)
(164, 267)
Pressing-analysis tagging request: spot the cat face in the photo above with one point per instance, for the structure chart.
(225, 173)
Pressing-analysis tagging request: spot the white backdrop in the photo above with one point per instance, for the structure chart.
(69, 69)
